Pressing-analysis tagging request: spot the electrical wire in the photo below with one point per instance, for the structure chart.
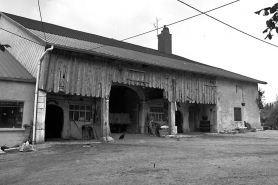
(167, 25)
(103, 45)
(21, 36)
(227, 24)
(160, 27)
(41, 21)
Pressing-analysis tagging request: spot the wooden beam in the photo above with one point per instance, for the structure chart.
(171, 117)
(105, 127)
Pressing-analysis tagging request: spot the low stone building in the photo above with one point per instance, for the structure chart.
(113, 86)
(17, 87)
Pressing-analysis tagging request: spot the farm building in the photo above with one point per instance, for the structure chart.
(88, 80)
(17, 87)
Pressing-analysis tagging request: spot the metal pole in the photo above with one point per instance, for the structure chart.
(36, 94)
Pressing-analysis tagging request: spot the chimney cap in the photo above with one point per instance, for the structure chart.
(165, 29)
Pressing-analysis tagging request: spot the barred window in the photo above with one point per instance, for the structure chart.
(157, 113)
(11, 114)
(80, 112)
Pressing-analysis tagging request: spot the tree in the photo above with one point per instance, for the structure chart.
(260, 99)
(271, 23)
(268, 107)
(272, 117)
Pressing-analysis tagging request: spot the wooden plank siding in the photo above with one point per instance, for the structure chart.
(25, 51)
(92, 76)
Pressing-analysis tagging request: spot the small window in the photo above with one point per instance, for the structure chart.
(157, 113)
(237, 114)
(11, 114)
(80, 113)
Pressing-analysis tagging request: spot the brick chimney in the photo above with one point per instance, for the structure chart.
(165, 41)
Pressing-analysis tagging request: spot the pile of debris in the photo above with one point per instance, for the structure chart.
(25, 147)
(239, 130)
(247, 128)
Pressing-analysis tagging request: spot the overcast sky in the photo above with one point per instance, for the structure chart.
(201, 39)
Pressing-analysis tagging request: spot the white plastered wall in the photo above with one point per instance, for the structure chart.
(231, 94)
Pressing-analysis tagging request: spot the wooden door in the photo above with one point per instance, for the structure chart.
(192, 121)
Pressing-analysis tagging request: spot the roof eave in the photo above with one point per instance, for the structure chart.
(261, 82)
(18, 79)
(142, 62)
(57, 46)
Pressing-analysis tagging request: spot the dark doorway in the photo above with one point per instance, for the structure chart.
(192, 120)
(54, 120)
(179, 121)
(123, 102)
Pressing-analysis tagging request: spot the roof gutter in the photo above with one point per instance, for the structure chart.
(32, 80)
(36, 93)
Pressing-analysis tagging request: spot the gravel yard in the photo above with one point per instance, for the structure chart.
(197, 158)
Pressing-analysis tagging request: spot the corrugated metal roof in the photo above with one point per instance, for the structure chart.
(11, 69)
(81, 41)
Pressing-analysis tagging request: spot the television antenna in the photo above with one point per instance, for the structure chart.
(155, 24)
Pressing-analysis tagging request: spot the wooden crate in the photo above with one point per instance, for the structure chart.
(164, 132)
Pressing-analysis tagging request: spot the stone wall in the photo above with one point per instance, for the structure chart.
(71, 129)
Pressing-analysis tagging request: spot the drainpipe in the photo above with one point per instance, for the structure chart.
(36, 93)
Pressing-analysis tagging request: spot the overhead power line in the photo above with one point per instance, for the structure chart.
(41, 21)
(21, 36)
(103, 45)
(167, 25)
(205, 13)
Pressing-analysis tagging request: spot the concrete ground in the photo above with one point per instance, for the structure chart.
(247, 158)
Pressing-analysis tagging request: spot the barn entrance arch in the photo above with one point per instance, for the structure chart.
(125, 110)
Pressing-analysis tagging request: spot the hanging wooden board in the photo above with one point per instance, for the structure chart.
(93, 76)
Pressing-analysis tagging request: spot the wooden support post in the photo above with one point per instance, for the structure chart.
(142, 116)
(172, 110)
(105, 127)
(171, 117)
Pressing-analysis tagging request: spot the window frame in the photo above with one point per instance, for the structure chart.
(21, 104)
(79, 111)
(158, 113)
(236, 116)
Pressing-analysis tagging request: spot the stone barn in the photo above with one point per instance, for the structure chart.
(112, 86)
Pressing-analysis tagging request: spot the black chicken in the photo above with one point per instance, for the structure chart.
(122, 136)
